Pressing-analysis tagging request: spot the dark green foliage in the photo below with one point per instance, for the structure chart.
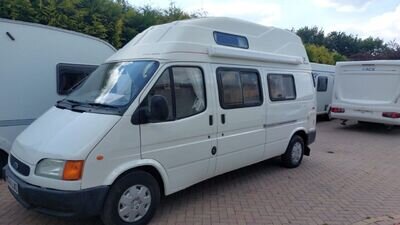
(312, 35)
(344, 46)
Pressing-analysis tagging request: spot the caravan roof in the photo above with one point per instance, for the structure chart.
(54, 29)
(371, 62)
(322, 68)
(199, 39)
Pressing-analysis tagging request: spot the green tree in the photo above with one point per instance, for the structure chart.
(320, 54)
(17, 10)
(312, 35)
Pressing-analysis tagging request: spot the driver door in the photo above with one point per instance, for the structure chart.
(182, 139)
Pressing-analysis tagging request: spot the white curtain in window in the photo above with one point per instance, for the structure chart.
(196, 78)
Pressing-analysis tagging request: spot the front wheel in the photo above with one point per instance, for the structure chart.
(294, 153)
(132, 200)
(3, 159)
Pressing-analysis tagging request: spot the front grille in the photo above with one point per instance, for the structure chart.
(19, 166)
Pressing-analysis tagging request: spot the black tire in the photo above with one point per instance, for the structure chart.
(329, 116)
(110, 215)
(289, 158)
(3, 159)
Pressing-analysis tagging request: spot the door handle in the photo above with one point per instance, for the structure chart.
(210, 120)
(214, 150)
(223, 118)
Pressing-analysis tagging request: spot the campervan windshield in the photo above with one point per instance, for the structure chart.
(114, 84)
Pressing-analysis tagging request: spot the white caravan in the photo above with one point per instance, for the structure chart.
(323, 79)
(38, 66)
(367, 91)
(180, 103)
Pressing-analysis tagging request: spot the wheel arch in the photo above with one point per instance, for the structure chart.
(148, 165)
(301, 132)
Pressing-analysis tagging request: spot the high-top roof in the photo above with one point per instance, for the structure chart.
(196, 37)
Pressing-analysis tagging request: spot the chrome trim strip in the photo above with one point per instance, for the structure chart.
(11, 123)
(281, 123)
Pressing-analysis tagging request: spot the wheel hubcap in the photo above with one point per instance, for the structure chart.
(134, 203)
(297, 151)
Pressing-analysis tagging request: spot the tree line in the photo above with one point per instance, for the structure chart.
(117, 22)
(339, 46)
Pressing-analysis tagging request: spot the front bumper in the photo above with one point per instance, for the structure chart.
(76, 204)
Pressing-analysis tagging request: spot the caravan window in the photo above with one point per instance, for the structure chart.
(231, 40)
(184, 90)
(281, 87)
(71, 75)
(322, 84)
(239, 88)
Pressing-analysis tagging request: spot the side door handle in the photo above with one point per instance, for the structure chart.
(210, 120)
(223, 118)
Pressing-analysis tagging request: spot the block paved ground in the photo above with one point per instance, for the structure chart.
(352, 177)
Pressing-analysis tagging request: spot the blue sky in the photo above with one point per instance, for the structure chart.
(377, 18)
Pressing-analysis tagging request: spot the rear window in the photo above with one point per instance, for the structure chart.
(71, 75)
(231, 40)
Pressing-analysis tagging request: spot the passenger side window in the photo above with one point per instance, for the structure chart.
(322, 84)
(184, 90)
(239, 88)
(281, 87)
(161, 88)
(69, 76)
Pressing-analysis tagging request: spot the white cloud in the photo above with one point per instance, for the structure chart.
(349, 6)
(385, 26)
(252, 10)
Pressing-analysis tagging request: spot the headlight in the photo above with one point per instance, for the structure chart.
(60, 169)
(51, 168)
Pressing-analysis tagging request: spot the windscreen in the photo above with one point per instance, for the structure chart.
(115, 84)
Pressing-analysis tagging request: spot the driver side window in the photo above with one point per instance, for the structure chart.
(183, 88)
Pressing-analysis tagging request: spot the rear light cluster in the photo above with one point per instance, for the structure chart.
(337, 110)
(393, 115)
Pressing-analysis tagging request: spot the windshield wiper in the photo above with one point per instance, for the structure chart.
(102, 105)
(72, 104)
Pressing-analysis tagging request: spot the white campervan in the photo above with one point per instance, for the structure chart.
(180, 103)
(38, 66)
(323, 79)
(367, 91)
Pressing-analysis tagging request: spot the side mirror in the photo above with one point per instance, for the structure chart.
(140, 116)
(159, 111)
(158, 108)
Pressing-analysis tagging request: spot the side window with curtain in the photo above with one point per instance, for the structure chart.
(239, 88)
(189, 91)
(184, 90)
(281, 87)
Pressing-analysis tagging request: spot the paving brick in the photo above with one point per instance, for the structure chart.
(356, 184)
